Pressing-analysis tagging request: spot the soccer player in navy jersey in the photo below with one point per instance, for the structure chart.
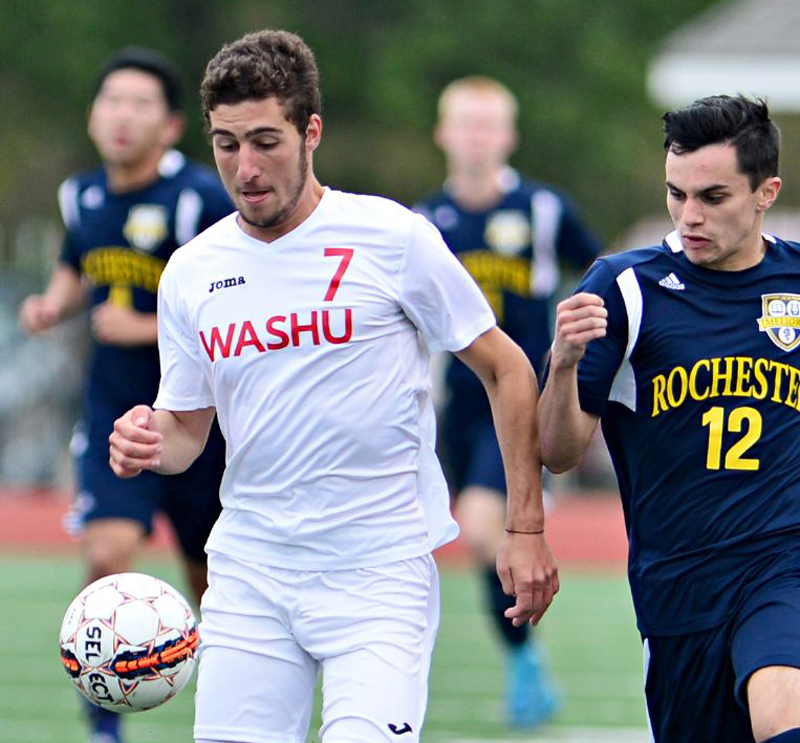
(688, 352)
(122, 223)
(512, 234)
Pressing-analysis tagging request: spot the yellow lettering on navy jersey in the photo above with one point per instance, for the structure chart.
(659, 398)
(677, 386)
(794, 383)
(727, 376)
(109, 266)
(496, 273)
(760, 367)
(718, 375)
(779, 369)
(744, 367)
(694, 393)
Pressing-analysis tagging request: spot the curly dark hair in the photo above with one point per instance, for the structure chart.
(260, 65)
(724, 119)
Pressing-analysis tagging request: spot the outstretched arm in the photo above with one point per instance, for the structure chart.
(159, 440)
(525, 564)
(64, 296)
(565, 430)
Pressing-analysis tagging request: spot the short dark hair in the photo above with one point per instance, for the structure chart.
(260, 65)
(734, 120)
(145, 60)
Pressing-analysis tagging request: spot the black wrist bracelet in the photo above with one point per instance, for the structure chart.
(515, 531)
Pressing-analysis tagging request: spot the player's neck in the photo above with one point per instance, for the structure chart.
(475, 191)
(126, 177)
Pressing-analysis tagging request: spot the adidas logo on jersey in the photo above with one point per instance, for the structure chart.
(672, 282)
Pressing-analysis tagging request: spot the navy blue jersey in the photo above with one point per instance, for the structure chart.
(513, 251)
(120, 243)
(698, 389)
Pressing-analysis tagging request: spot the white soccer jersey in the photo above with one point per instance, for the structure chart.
(314, 350)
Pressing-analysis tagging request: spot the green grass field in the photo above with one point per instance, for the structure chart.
(588, 633)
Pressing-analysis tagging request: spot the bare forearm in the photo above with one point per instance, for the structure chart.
(510, 383)
(513, 401)
(181, 444)
(565, 430)
(65, 292)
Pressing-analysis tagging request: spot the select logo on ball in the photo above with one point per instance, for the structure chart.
(128, 642)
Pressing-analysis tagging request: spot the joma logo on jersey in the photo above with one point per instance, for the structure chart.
(316, 327)
(781, 319)
(225, 283)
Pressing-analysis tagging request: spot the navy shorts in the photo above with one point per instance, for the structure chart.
(696, 684)
(190, 500)
(469, 449)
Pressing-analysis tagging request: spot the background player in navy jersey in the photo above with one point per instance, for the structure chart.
(123, 221)
(688, 353)
(511, 234)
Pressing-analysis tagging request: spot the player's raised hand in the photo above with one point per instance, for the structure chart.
(37, 314)
(133, 446)
(579, 319)
(527, 571)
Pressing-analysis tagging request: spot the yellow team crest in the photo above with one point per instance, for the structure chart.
(781, 319)
(147, 226)
(508, 231)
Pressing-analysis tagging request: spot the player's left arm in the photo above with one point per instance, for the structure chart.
(525, 563)
(119, 325)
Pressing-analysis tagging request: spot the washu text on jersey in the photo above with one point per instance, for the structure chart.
(285, 330)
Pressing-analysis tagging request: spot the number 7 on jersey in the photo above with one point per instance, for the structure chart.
(346, 254)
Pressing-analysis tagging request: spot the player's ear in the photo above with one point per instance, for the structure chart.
(438, 135)
(313, 132)
(513, 141)
(767, 193)
(173, 131)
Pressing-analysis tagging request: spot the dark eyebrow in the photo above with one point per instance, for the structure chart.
(709, 189)
(252, 133)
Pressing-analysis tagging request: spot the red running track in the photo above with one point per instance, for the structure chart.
(584, 531)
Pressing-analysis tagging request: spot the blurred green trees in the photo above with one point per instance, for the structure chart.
(578, 67)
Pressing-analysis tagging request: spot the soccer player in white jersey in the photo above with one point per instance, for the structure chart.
(305, 321)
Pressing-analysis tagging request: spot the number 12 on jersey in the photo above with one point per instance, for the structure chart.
(734, 459)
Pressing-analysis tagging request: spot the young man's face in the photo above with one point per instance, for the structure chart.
(264, 162)
(714, 210)
(130, 121)
(477, 131)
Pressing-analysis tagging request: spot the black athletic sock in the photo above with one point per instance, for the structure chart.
(498, 603)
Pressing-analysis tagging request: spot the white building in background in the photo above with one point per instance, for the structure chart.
(737, 46)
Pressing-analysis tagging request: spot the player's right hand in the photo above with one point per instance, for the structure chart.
(579, 319)
(133, 446)
(37, 314)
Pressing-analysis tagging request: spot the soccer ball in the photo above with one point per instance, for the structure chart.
(128, 642)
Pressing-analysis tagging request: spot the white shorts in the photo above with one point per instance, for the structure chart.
(266, 632)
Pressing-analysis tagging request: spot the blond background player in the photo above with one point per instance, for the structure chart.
(512, 234)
